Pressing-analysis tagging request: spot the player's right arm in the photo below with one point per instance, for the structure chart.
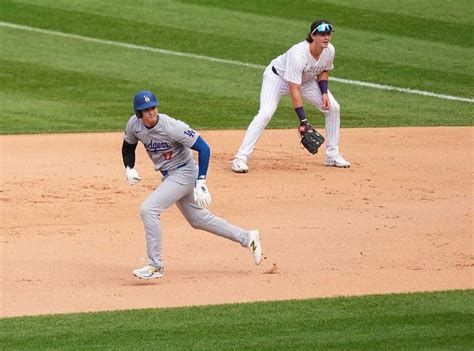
(129, 146)
(128, 154)
(297, 101)
(295, 94)
(294, 76)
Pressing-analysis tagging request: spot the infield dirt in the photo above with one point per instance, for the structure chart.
(398, 220)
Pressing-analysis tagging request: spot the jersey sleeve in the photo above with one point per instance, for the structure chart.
(129, 135)
(294, 67)
(182, 133)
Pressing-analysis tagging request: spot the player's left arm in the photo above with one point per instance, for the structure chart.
(188, 137)
(201, 193)
(323, 79)
(204, 155)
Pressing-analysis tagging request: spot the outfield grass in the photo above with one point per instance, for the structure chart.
(429, 321)
(59, 84)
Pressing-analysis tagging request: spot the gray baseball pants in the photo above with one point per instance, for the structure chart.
(178, 187)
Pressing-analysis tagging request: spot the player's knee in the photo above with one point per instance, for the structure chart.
(264, 116)
(148, 211)
(196, 223)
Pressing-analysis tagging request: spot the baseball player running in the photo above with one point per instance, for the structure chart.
(168, 142)
(303, 71)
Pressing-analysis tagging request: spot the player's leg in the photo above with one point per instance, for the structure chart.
(203, 219)
(312, 93)
(273, 87)
(158, 201)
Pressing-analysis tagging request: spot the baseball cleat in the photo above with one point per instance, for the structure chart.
(255, 246)
(239, 166)
(337, 161)
(149, 272)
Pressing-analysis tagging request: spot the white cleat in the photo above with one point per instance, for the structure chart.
(239, 166)
(337, 161)
(149, 272)
(255, 246)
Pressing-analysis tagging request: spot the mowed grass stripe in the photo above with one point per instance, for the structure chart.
(374, 18)
(232, 62)
(81, 86)
(257, 37)
(60, 100)
(437, 320)
(94, 83)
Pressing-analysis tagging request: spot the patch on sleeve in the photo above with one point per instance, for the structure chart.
(190, 133)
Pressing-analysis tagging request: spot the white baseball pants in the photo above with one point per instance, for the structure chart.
(273, 88)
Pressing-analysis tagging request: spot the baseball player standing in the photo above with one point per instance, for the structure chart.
(303, 71)
(168, 143)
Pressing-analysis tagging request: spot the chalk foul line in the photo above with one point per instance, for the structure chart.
(231, 62)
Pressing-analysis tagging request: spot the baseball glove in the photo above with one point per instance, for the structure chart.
(310, 138)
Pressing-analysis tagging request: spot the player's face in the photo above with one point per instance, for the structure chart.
(322, 39)
(150, 116)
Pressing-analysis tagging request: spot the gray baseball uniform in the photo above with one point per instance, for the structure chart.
(168, 145)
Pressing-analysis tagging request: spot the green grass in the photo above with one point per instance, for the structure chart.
(58, 84)
(429, 321)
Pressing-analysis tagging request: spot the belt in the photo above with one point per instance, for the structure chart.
(165, 173)
(274, 71)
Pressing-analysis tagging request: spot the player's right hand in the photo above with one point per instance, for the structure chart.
(132, 176)
(304, 127)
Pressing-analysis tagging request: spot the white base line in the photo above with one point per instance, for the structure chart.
(232, 62)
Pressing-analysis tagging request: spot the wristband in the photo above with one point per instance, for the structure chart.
(301, 115)
(323, 85)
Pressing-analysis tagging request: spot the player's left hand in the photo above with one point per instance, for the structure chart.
(201, 193)
(326, 102)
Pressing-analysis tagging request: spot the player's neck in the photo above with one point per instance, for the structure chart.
(150, 124)
(315, 50)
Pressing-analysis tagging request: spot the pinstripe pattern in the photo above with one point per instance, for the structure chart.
(312, 93)
(273, 88)
(297, 65)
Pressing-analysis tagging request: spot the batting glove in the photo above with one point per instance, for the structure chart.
(201, 193)
(132, 176)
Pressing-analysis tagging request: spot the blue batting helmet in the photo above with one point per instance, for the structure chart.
(144, 99)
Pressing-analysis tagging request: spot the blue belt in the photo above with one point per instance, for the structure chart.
(165, 173)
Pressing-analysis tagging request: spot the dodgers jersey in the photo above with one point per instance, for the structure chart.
(298, 66)
(168, 143)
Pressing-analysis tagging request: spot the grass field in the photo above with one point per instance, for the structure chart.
(422, 321)
(53, 83)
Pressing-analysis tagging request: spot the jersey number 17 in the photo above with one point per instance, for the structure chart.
(168, 155)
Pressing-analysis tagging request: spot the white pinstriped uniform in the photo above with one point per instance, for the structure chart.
(297, 65)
